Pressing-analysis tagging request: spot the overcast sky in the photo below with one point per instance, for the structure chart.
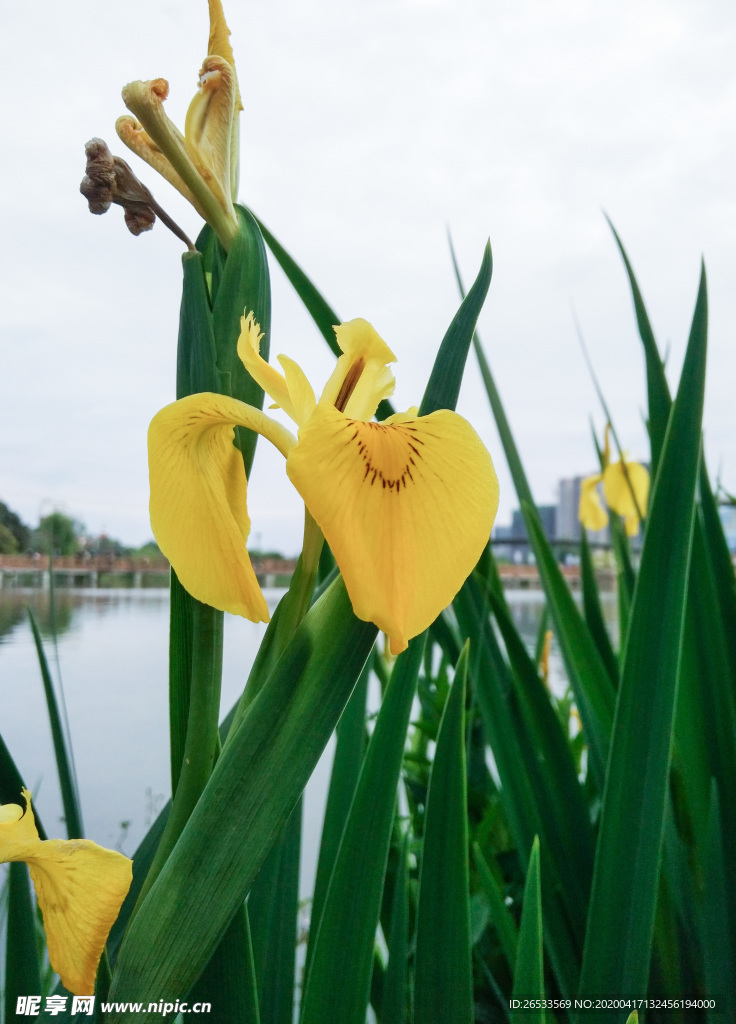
(368, 129)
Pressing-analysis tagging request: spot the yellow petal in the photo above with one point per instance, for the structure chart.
(198, 504)
(406, 508)
(146, 101)
(80, 888)
(590, 511)
(198, 498)
(361, 378)
(207, 127)
(136, 138)
(219, 41)
(265, 375)
(300, 390)
(618, 491)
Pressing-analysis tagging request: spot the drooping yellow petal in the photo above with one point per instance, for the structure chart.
(80, 888)
(618, 491)
(198, 498)
(406, 509)
(590, 511)
(361, 378)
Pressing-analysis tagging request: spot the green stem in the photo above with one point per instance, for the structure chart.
(290, 612)
(202, 740)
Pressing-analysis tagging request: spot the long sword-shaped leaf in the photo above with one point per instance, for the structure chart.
(524, 790)
(589, 679)
(338, 985)
(349, 751)
(324, 316)
(623, 897)
(443, 985)
(718, 951)
(447, 373)
(508, 933)
(253, 789)
(529, 973)
(273, 906)
(594, 611)
(395, 1002)
(67, 781)
(22, 970)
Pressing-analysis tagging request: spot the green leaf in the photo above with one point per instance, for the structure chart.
(228, 981)
(518, 475)
(444, 382)
(594, 612)
(318, 308)
(338, 985)
(443, 985)
(244, 287)
(196, 356)
(273, 909)
(396, 978)
(508, 935)
(324, 316)
(529, 972)
(564, 819)
(589, 679)
(657, 388)
(525, 788)
(623, 897)
(718, 944)
(22, 969)
(62, 753)
(250, 795)
(349, 752)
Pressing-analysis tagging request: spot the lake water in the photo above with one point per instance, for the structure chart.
(113, 657)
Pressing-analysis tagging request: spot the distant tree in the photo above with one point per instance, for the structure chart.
(104, 545)
(17, 527)
(148, 550)
(57, 533)
(8, 543)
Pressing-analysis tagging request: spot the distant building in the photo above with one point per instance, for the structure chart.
(517, 548)
(568, 524)
(727, 515)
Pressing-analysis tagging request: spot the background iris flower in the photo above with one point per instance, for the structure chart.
(626, 490)
(406, 505)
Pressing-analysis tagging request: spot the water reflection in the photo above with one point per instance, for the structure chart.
(113, 655)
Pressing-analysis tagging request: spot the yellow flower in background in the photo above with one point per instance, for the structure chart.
(203, 162)
(406, 505)
(625, 488)
(80, 888)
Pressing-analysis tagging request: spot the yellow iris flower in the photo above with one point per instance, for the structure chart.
(406, 505)
(203, 162)
(626, 491)
(80, 888)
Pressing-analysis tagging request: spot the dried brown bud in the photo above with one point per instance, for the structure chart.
(110, 180)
